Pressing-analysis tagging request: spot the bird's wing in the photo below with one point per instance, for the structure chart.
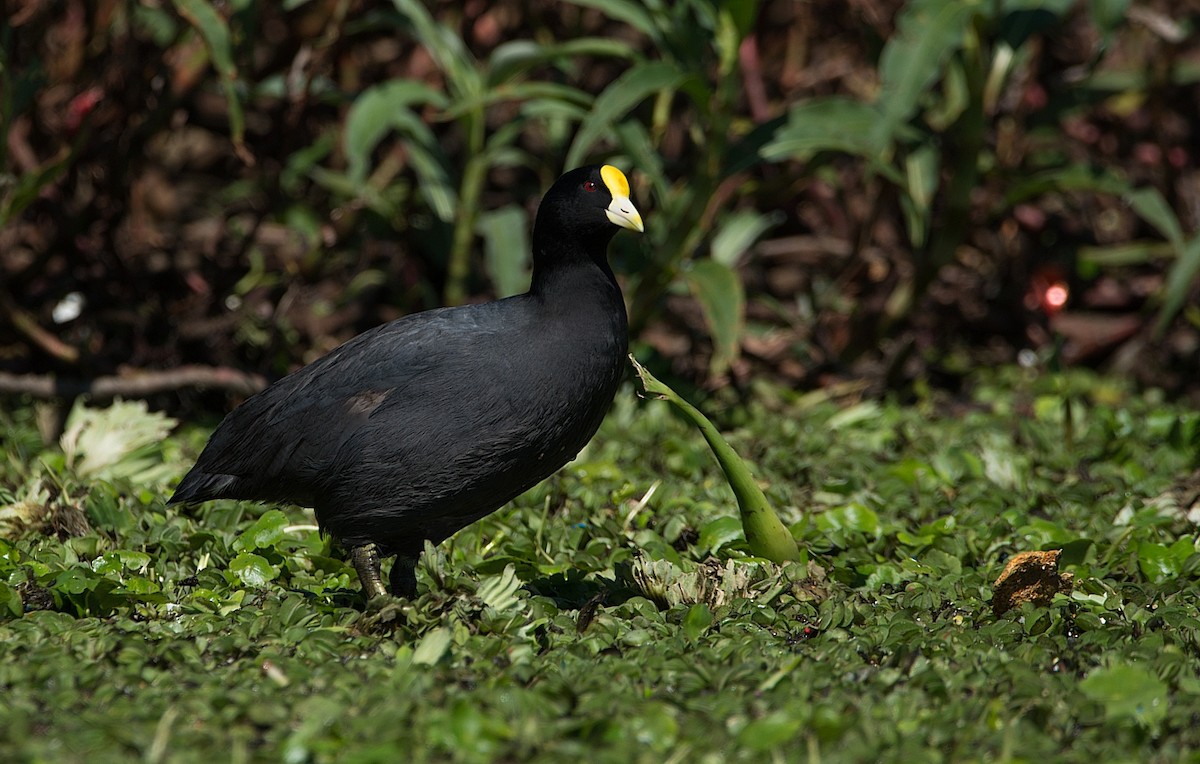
(287, 434)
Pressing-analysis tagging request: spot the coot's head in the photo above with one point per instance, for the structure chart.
(588, 204)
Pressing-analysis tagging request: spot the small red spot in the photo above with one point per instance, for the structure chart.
(80, 106)
(589, 186)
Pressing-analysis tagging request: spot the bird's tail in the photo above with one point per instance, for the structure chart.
(201, 486)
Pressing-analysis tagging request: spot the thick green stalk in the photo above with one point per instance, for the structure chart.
(767, 535)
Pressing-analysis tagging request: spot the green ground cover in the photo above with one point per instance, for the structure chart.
(612, 613)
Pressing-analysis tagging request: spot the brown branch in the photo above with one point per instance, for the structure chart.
(138, 384)
(27, 325)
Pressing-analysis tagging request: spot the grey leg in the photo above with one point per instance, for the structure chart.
(404, 578)
(366, 562)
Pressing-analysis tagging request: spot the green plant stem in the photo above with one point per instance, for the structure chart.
(458, 268)
(964, 173)
(767, 535)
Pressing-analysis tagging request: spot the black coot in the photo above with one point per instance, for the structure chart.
(417, 428)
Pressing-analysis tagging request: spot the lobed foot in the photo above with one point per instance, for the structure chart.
(366, 562)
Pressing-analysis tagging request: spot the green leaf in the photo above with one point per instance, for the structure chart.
(11, 603)
(747, 151)
(769, 732)
(215, 32)
(253, 570)
(545, 94)
(850, 517)
(718, 532)
(500, 592)
(505, 235)
(826, 124)
(432, 646)
(625, 92)
(375, 112)
(517, 57)
(446, 47)
(634, 14)
(1108, 15)
(696, 621)
(635, 140)
(722, 297)
(123, 440)
(921, 168)
(739, 231)
(266, 532)
(1150, 206)
(1128, 691)
(1179, 284)
(432, 168)
(928, 32)
(1159, 562)
(1076, 177)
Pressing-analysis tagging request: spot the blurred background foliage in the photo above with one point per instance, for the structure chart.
(889, 192)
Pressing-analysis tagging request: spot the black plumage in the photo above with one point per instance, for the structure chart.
(417, 428)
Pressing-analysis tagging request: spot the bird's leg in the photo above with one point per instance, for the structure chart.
(404, 577)
(366, 562)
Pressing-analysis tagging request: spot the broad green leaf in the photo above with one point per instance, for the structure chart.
(1150, 206)
(635, 14)
(747, 151)
(1129, 253)
(956, 97)
(1159, 562)
(500, 592)
(513, 58)
(446, 47)
(718, 532)
(266, 532)
(739, 231)
(1128, 691)
(76, 581)
(520, 91)
(1108, 15)
(851, 517)
(625, 92)
(723, 298)
(122, 440)
(253, 570)
(928, 32)
(1179, 283)
(742, 13)
(770, 732)
(432, 168)
(921, 181)
(635, 140)
(378, 110)
(505, 235)
(120, 560)
(432, 647)
(697, 620)
(826, 124)
(10, 601)
(1076, 177)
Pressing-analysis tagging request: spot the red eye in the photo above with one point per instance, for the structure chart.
(589, 186)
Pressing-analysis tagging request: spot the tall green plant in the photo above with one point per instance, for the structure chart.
(452, 186)
(697, 67)
(941, 76)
